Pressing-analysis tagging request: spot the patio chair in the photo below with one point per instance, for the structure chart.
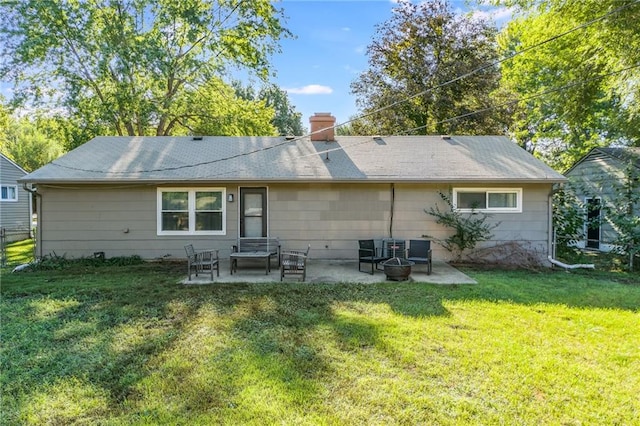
(200, 261)
(294, 262)
(419, 252)
(367, 253)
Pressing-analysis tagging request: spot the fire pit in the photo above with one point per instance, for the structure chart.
(397, 269)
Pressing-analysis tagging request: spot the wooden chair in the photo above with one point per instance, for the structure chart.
(294, 262)
(367, 253)
(419, 252)
(200, 261)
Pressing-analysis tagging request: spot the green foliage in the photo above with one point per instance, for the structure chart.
(286, 119)
(55, 262)
(468, 228)
(422, 46)
(134, 66)
(568, 221)
(597, 67)
(222, 113)
(620, 195)
(31, 143)
(623, 213)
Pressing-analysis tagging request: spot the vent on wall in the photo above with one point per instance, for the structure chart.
(196, 138)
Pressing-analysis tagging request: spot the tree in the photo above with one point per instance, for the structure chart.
(134, 64)
(225, 114)
(595, 69)
(414, 56)
(286, 119)
(27, 143)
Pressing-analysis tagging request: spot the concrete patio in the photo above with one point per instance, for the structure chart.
(328, 271)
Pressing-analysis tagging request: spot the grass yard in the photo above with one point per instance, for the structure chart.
(127, 345)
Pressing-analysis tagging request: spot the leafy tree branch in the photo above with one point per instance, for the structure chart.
(469, 229)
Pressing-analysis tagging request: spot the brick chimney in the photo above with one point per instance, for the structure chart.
(319, 121)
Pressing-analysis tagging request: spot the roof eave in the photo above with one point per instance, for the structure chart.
(549, 180)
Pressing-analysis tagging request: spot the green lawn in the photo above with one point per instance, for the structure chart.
(127, 345)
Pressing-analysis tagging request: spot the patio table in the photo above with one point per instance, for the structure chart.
(250, 255)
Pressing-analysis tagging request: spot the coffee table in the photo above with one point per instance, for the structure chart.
(265, 255)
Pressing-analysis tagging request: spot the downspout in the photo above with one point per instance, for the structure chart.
(551, 248)
(392, 209)
(38, 236)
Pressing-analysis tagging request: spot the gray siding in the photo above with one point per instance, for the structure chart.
(121, 221)
(599, 176)
(15, 216)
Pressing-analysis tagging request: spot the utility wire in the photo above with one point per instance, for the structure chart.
(299, 138)
(491, 64)
(515, 101)
(537, 95)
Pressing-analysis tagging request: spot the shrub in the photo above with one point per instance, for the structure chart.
(469, 228)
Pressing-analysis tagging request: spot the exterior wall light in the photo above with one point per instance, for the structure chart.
(230, 198)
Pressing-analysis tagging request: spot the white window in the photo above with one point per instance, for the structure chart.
(9, 193)
(496, 200)
(189, 211)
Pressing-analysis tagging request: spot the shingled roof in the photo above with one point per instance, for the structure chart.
(624, 154)
(276, 159)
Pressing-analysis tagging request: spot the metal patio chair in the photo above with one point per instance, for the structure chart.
(367, 253)
(419, 252)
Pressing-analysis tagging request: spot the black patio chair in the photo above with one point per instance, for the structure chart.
(367, 253)
(419, 252)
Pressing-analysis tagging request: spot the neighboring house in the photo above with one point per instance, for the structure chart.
(15, 202)
(150, 196)
(600, 181)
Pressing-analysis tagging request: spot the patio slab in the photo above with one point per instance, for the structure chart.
(331, 271)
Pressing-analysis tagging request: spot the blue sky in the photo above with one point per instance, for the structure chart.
(317, 67)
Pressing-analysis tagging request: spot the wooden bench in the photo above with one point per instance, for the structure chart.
(256, 244)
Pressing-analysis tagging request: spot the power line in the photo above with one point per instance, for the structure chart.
(299, 138)
(492, 64)
(537, 95)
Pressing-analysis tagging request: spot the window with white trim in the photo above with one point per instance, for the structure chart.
(9, 193)
(191, 211)
(492, 200)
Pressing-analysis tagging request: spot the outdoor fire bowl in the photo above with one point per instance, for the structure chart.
(397, 269)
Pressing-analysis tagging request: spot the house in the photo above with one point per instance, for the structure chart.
(15, 202)
(601, 180)
(150, 196)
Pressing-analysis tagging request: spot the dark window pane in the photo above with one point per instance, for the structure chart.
(472, 200)
(175, 221)
(175, 201)
(209, 200)
(503, 200)
(208, 221)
